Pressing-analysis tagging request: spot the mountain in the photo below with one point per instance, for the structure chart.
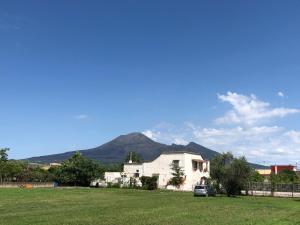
(116, 150)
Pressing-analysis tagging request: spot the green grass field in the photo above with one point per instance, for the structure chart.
(129, 207)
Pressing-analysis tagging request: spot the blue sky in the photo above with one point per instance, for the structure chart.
(225, 74)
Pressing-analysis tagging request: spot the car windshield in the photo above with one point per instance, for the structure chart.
(200, 187)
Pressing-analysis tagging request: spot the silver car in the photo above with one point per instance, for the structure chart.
(203, 190)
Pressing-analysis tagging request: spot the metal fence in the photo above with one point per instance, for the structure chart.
(271, 189)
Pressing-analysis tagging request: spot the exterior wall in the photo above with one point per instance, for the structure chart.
(112, 177)
(161, 168)
(278, 168)
(264, 172)
(132, 169)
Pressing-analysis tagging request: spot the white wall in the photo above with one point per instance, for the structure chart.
(112, 177)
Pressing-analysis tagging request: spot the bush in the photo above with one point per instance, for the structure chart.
(149, 183)
(113, 185)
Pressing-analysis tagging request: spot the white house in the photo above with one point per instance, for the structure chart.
(195, 168)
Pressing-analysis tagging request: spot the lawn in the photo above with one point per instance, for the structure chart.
(129, 207)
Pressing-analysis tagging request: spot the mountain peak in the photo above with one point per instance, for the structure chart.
(192, 144)
(133, 138)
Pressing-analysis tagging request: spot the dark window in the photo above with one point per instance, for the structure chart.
(176, 162)
(201, 166)
(194, 165)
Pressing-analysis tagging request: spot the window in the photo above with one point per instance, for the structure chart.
(137, 174)
(176, 162)
(195, 166)
(201, 166)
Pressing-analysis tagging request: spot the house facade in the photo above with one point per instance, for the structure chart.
(195, 168)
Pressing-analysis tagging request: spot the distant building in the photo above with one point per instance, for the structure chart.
(264, 172)
(279, 168)
(50, 165)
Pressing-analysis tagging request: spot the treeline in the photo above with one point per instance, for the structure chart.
(75, 171)
(19, 171)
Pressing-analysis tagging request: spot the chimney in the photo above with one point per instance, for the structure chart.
(130, 159)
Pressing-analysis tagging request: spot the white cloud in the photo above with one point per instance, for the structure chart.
(180, 141)
(81, 117)
(150, 134)
(271, 144)
(248, 110)
(294, 136)
(250, 133)
(280, 94)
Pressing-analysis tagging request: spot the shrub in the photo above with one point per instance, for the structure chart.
(113, 185)
(149, 183)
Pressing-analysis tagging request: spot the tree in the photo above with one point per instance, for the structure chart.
(231, 174)
(78, 171)
(178, 175)
(256, 177)
(15, 171)
(219, 165)
(113, 167)
(134, 157)
(285, 176)
(3, 162)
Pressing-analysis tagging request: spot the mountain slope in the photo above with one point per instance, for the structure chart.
(113, 151)
(116, 150)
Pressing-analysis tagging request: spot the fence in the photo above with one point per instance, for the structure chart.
(270, 189)
(24, 184)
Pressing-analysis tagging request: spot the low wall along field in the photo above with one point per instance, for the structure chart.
(27, 185)
(276, 190)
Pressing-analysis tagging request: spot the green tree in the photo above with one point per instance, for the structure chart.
(177, 175)
(113, 168)
(15, 170)
(285, 176)
(256, 177)
(134, 157)
(231, 174)
(78, 171)
(3, 162)
(219, 166)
